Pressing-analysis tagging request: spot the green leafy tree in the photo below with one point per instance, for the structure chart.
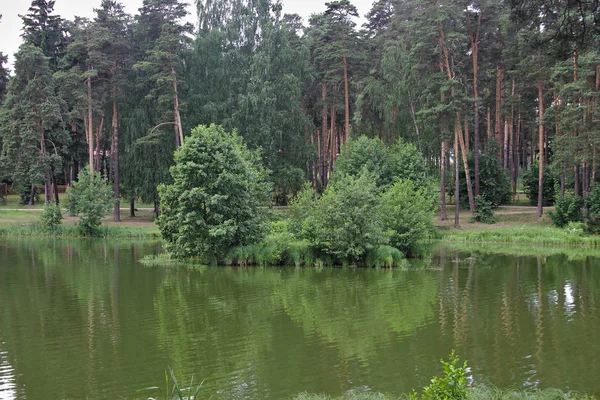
(216, 198)
(407, 215)
(91, 198)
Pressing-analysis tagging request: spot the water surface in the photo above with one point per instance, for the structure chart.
(84, 319)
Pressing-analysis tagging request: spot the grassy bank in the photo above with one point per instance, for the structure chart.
(26, 223)
(514, 225)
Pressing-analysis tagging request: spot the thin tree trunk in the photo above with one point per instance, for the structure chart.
(443, 212)
(179, 127)
(456, 182)
(499, 79)
(324, 133)
(55, 189)
(540, 207)
(346, 100)
(475, 54)
(90, 125)
(115, 156)
(465, 164)
(576, 179)
(505, 144)
(132, 208)
(467, 136)
(489, 122)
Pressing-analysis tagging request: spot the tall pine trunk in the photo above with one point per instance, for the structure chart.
(465, 164)
(443, 212)
(90, 124)
(456, 182)
(346, 100)
(115, 156)
(540, 207)
(475, 55)
(324, 134)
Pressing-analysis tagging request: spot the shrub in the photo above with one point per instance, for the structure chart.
(90, 198)
(407, 215)
(344, 223)
(567, 209)
(494, 181)
(531, 184)
(484, 211)
(452, 385)
(214, 202)
(50, 218)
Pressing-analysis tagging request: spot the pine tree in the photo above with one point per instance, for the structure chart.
(31, 123)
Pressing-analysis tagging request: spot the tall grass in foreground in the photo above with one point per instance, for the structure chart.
(175, 391)
(284, 249)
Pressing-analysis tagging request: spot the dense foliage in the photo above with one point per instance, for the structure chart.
(385, 163)
(343, 223)
(407, 214)
(567, 208)
(216, 198)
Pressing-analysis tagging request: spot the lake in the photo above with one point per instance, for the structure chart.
(83, 319)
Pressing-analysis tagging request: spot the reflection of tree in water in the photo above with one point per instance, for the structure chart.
(60, 318)
(523, 320)
(244, 323)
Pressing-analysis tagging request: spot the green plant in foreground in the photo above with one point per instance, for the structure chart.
(452, 385)
(50, 218)
(173, 390)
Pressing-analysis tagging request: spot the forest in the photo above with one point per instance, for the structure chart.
(479, 88)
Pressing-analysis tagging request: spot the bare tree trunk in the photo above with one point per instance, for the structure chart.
(443, 213)
(324, 134)
(179, 128)
(540, 207)
(505, 144)
(499, 79)
(115, 156)
(465, 164)
(132, 208)
(475, 54)
(576, 179)
(346, 100)
(90, 125)
(456, 182)
(489, 122)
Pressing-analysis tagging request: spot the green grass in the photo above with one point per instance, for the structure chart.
(105, 231)
(524, 234)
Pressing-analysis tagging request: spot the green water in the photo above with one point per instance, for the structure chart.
(85, 320)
